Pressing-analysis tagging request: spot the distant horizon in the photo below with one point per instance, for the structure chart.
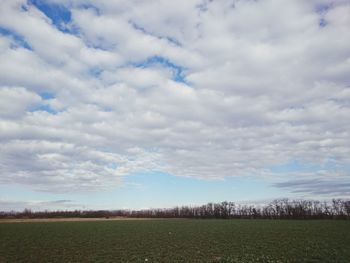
(148, 104)
(35, 207)
(277, 209)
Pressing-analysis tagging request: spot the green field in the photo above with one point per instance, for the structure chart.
(176, 240)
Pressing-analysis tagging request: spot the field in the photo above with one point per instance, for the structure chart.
(176, 240)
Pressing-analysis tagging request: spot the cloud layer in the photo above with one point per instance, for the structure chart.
(38, 205)
(205, 89)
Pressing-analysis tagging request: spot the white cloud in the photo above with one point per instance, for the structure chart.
(24, 101)
(38, 205)
(264, 84)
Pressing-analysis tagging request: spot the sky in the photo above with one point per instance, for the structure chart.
(138, 104)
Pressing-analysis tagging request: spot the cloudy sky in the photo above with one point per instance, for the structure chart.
(134, 104)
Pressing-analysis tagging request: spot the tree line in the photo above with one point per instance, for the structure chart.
(277, 209)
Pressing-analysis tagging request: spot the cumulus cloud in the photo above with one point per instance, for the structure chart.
(24, 101)
(261, 83)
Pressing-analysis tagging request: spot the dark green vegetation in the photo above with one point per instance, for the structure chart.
(177, 240)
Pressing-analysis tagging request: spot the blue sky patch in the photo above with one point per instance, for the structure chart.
(46, 95)
(96, 71)
(178, 71)
(295, 166)
(322, 22)
(323, 8)
(90, 6)
(143, 30)
(44, 107)
(58, 14)
(174, 41)
(19, 40)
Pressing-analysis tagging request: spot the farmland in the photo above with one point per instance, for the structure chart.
(176, 240)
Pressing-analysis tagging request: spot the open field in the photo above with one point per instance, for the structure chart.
(176, 240)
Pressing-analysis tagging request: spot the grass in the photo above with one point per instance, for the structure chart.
(176, 240)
